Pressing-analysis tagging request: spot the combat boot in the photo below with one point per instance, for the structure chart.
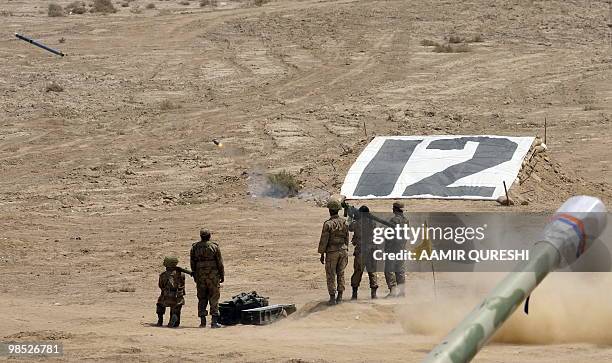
(332, 299)
(203, 322)
(175, 317)
(215, 322)
(174, 321)
(373, 293)
(339, 298)
(354, 297)
(160, 319)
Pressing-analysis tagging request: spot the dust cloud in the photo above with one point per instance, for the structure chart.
(565, 308)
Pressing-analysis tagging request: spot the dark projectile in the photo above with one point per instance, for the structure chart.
(24, 38)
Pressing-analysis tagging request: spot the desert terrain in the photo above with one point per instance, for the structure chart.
(101, 180)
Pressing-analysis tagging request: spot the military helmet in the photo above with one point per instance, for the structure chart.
(204, 233)
(398, 205)
(170, 261)
(333, 204)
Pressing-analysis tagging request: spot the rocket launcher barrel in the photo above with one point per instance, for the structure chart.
(353, 212)
(570, 232)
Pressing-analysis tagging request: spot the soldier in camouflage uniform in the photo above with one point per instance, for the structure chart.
(172, 286)
(362, 229)
(395, 271)
(209, 273)
(333, 247)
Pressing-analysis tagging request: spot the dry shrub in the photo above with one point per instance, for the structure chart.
(260, 2)
(5, 13)
(54, 87)
(75, 7)
(447, 48)
(455, 39)
(166, 105)
(150, 6)
(55, 10)
(103, 6)
(204, 3)
(136, 10)
(184, 2)
(428, 43)
(475, 39)
(281, 185)
(125, 4)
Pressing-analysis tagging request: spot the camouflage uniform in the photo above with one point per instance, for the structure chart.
(334, 244)
(209, 273)
(395, 271)
(172, 285)
(362, 229)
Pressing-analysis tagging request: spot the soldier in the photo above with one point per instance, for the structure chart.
(395, 271)
(209, 274)
(362, 228)
(172, 286)
(333, 247)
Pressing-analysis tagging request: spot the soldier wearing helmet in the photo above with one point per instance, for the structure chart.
(395, 271)
(172, 286)
(209, 273)
(333, 247)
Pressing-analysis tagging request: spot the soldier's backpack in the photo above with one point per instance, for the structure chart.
(230, 311)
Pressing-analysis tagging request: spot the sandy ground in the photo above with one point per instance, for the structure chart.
(102, 180)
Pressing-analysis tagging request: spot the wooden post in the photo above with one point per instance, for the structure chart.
(545, 131)
(507, 197)
(365, 130)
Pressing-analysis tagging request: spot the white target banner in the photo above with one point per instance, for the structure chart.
(438, 167)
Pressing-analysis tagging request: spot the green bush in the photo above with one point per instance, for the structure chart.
(282, 185)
